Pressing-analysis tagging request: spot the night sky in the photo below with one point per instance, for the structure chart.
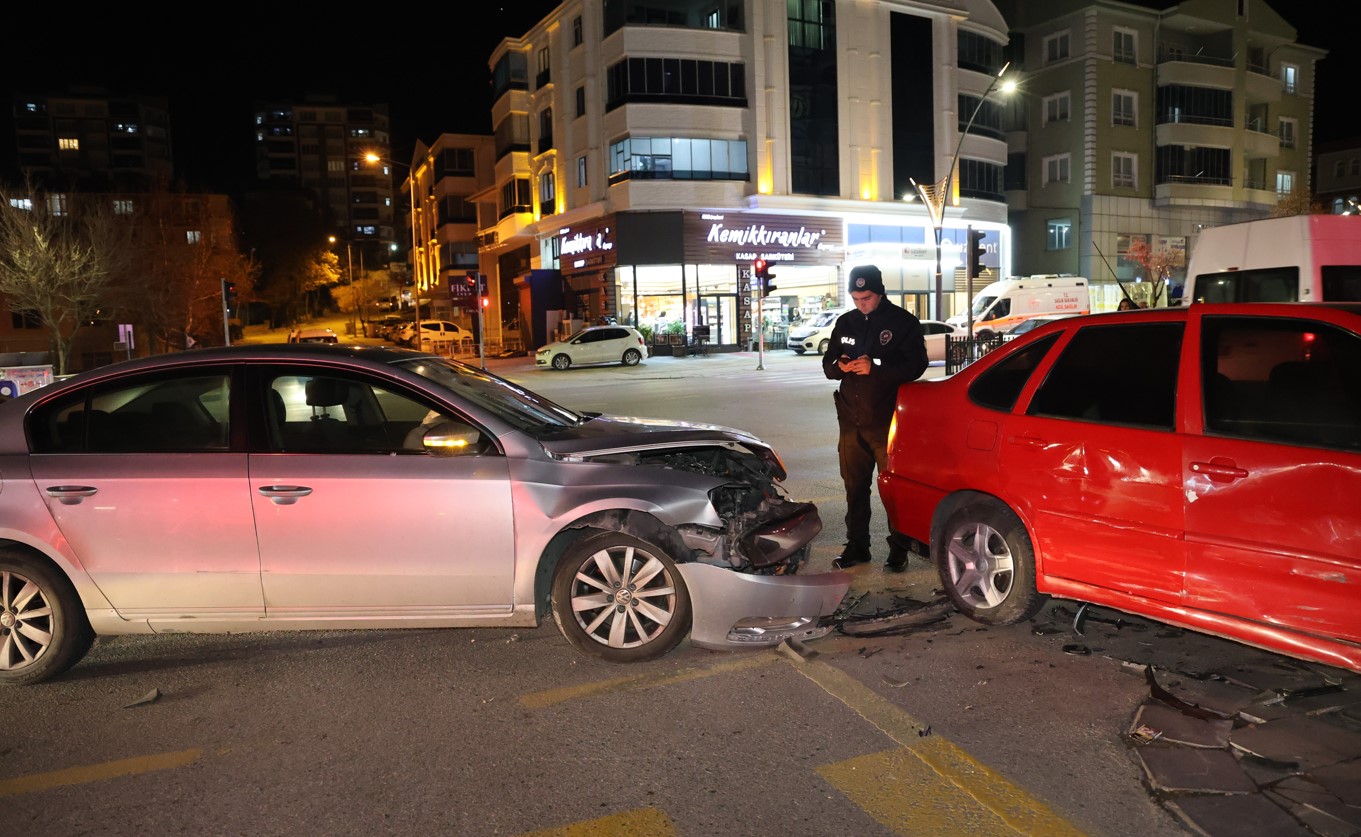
(213, 72)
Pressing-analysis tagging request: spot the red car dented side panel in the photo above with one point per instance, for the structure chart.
(1235, 527)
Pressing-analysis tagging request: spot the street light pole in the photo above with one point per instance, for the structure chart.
(935, 195)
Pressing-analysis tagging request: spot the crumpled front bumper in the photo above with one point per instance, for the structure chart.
(732, 610)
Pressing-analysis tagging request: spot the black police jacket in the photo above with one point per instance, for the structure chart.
(893, 338)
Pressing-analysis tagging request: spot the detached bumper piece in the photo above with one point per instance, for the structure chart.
(774, 542)
(732, 610)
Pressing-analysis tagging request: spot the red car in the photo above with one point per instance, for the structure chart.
(1200, 466)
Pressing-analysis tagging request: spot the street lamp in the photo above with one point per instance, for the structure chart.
(936, 194)
(349, 273)
(373, 158)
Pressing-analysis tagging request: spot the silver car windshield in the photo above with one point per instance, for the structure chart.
(510, 402)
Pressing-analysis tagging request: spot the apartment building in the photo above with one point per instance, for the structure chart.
(646, 154)
(1338, 182)
(87, 140)
(341, 152)
(1138, 123)
(446, 181)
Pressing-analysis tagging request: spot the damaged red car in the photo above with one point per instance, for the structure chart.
(1200, 466)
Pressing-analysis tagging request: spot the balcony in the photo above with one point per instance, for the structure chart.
(1261, 88)
(1209, 131)
(1257, 143)
(1189, 190)
(1196, 71)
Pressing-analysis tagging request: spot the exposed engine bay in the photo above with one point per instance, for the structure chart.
(766, 532)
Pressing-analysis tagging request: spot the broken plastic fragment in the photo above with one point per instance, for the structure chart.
(149, 697)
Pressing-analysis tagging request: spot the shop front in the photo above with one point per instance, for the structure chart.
(685, 278)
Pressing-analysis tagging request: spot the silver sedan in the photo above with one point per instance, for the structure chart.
(313, 486)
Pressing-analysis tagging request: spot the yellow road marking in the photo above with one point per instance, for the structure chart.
(541, 700)
(929, 786)
(647, 821)
(98, 772)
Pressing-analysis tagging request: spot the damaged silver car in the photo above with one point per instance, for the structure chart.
(306, 486)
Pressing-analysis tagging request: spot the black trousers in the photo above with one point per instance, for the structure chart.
(861, 451)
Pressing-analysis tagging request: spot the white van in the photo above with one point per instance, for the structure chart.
(1003, 304)
(815, 333)
(1305, 258)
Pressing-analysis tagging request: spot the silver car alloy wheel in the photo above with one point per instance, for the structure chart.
(623, 597)
(26, 628)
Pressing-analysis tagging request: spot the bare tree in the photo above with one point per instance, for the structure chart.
(187, 249)
(1157, 265)
(57, 260)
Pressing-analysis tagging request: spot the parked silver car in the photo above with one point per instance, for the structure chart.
(264, 487)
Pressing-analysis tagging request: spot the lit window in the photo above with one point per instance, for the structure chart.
(1290, 75)
(122, 207)
(1285, 183)
(193, 236)
(56, 204)
(22, 204)
(1058, 234)
(581, 171)
(68, 143)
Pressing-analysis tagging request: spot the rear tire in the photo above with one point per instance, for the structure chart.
(987, 565)
(561, 362)
(43, 629)
(620, 599)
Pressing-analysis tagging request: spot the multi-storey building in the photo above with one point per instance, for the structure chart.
(645, 155)
(1338, 181)
(1137, 124)
(443, 188)
(87, 140)
(324, 146)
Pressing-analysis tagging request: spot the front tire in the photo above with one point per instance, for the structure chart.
(43, 629)
(561, 362)
(823, 346)
(631, 357)
(987, 565)
(620, 599)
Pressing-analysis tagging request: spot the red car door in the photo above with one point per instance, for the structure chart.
(1096, 464)
(1273, 481)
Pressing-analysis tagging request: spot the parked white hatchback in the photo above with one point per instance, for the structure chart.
(594, 344)
(435, 335)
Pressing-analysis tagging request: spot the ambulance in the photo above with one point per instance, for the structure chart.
(1003, 304)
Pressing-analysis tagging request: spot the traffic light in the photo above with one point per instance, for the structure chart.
(229, 295)
(975, 252)
(764, 276)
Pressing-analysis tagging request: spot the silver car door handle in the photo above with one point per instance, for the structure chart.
(69, 495)
(284, 495)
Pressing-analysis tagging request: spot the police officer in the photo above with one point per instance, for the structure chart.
(873, 350)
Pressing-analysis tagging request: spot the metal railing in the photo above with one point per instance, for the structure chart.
(962, 351)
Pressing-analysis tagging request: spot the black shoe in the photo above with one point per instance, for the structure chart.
(852, 555)
(896, 563)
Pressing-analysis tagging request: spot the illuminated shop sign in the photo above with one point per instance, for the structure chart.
(716, 237)
(586, 248)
